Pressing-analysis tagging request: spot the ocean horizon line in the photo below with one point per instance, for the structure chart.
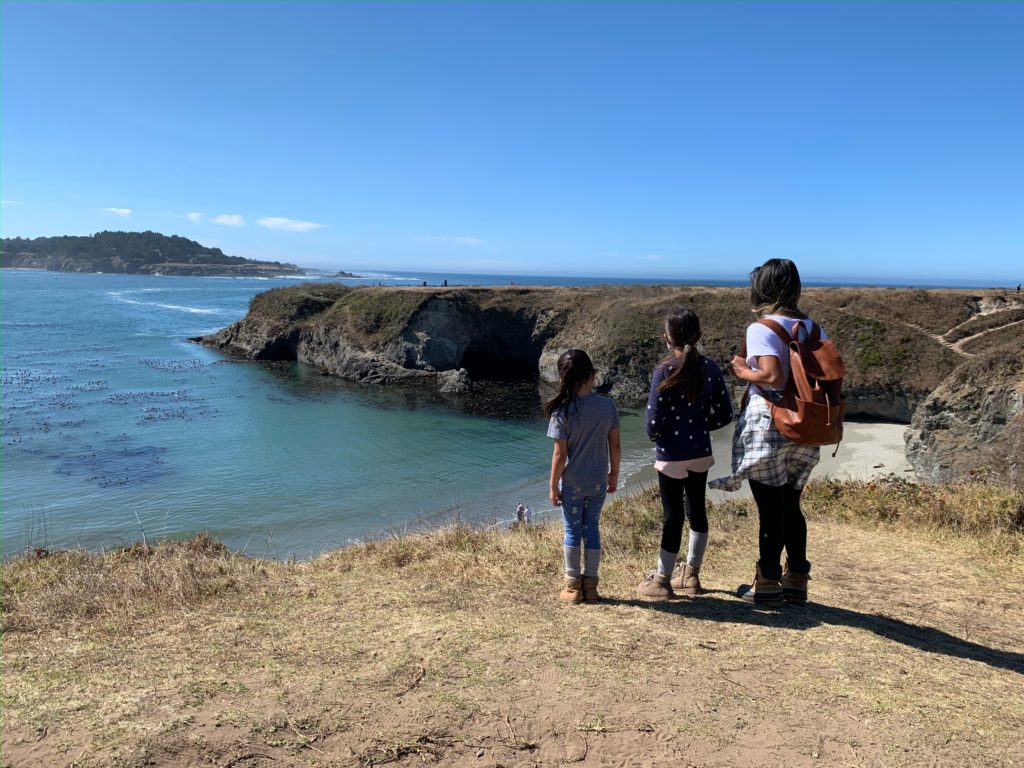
(537, 280)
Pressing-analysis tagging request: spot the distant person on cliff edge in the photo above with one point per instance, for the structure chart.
(776, 467)
(584, 467)
(688, 399)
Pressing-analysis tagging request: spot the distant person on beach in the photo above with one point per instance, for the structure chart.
(776, 467)
(584, 467)
(688, 399)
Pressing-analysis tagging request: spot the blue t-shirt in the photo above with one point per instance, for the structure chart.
(585, 426)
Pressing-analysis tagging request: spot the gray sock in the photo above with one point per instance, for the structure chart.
(666, 562)
(591, 561)
(572, 562)
(698, 546)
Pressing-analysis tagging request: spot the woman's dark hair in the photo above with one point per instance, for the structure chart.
(574, 369)
(775, 289)
(682, 330)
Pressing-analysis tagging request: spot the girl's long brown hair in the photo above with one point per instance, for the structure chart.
(574, 369)
(682, 328)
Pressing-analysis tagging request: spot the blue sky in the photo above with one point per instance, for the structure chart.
(875, 141)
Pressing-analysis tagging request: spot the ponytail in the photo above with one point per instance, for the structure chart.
(574, 369)
(682, 330)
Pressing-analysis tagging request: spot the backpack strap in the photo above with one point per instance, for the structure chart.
(779, 330)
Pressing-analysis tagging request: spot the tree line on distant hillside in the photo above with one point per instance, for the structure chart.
(113, 252)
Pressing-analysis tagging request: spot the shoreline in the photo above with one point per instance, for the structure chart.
(869, 450)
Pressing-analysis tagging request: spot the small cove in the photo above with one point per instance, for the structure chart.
(113, 423)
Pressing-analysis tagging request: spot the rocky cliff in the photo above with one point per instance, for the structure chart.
(897, 343)
(973, 423)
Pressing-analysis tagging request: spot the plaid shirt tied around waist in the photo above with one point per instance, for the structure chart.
(760, 452)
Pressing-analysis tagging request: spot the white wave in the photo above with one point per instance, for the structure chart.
(119, 296)
(194, 310)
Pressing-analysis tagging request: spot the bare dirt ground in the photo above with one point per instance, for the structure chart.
(451, 649)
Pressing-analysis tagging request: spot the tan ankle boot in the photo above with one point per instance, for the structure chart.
(686, 580)
(656, 587)
(590, 589)
(573, 592)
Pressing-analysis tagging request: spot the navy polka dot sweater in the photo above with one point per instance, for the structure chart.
(681, 429)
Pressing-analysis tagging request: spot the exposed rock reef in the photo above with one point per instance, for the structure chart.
(947, 361)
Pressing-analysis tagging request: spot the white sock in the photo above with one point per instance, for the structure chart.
(591, 561)
(572, 562)
(698, 546)
(666, 562)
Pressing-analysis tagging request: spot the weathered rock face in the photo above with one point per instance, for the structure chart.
(973, 423)
(893, 343)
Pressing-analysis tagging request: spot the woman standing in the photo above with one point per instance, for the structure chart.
(776, 467)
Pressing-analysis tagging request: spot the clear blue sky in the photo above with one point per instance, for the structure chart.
(870, 140)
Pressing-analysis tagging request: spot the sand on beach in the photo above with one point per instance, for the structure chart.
(869, 449)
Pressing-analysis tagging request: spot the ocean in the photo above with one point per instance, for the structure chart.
(115, 426)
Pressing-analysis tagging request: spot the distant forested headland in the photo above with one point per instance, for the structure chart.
(131, 253)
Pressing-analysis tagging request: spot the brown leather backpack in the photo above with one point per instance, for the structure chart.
(812, 406)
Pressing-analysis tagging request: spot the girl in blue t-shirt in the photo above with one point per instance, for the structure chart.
(688, 399)
(584, 467)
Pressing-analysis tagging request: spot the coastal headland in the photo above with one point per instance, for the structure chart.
(946, 362)
(133, 253)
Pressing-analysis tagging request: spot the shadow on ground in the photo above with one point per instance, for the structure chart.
(924, 638)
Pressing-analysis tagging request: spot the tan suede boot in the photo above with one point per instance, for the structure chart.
(590, 589)
(686, 580)
(656, 587)
(573, 592)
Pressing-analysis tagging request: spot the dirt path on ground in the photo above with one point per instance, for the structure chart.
(459, 654)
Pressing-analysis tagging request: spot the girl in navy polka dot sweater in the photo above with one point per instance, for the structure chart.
(688, 400)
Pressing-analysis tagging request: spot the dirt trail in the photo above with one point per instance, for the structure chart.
(910, 654)
(958, 345)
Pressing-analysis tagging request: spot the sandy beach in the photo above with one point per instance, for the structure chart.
(869, 449)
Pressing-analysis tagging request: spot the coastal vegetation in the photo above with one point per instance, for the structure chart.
(451, 648)
(132, 253)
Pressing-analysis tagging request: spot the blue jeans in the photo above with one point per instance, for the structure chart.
(581, 513)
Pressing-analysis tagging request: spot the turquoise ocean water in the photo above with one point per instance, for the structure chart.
(114, 423)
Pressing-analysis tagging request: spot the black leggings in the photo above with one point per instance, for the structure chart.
(682, 499)
(782, 526)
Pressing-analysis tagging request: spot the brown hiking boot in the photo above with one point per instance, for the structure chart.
(573, 592)
(686, 580)
(763, 591)
(590, 589)
(656, 587)
(794, 586)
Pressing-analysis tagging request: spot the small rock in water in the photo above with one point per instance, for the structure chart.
(454, 382)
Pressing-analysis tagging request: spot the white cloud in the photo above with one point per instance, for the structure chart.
(229, 219)
(11, 202)
(476, 242)
(194, 216)
(122, 212)
(653, 257)
(288, 225)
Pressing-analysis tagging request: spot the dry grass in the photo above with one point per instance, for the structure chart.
(450, 648)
